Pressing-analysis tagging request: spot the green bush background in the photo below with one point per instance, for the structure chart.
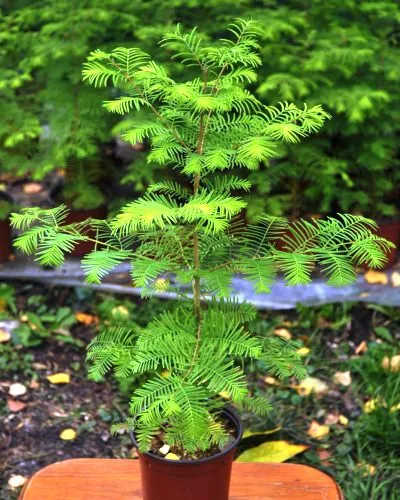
(343, 54)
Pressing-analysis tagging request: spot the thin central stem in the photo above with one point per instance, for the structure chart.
(196, 249)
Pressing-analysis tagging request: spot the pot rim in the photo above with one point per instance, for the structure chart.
(231, 414)
(6, 196)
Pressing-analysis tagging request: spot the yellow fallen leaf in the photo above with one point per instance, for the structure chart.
(370, 406)
(248, 433)
(224, 395)
(283, 332)
(396, 278)
(172, 456)
(343, 420)
(271, 381)
(303, 351)
(342, 378)
(311, 384)
(165, 373)
(4, 336)
(86, 319)
(368, 469)
(120, 311)
(68, 435)
(16, 481)
(394, 408)
(392, 364)
(161, 284)
(361, 348)
(318, 431)
(59, 378)
(272, 451)
(376, 278)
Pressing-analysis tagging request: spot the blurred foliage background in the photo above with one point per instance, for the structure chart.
(343, 54)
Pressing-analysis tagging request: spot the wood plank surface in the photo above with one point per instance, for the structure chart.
(105, 479)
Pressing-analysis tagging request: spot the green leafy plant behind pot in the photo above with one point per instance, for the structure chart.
(83, 196)
(188, 235)
(5, 209)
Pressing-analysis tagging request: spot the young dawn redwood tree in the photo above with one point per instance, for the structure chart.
(191, 230)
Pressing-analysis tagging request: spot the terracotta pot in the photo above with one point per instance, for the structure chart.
(85, 247)
(55, 199)
(390, 231)
(5, 233)
(204, 479)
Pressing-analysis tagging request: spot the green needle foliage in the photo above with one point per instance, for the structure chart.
(187, 235)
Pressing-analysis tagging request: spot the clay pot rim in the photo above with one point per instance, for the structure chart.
(228, 412)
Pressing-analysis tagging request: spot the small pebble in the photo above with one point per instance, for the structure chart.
(164, 449)
(17, 390)
(16, 481)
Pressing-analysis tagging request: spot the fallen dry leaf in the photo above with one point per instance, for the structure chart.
(120, 311)
(376, 277)
(86, 319)
(32, 188)
(283, 332)
(68, 435)
(272, 451)
(303, 351)
(318, 431)
(4, 336)
(172, 456)
(324, 456)
(39, 366)
(271, 380)
(361, 348)
(16, 481)
(370, 405)
(17, 389)
(311, 384)
(343, 420)
(396, 278)
(222, 394)
(331, 419)
(15, 406)
(391, 364)
(59, 378)
(342, 378)
(368, 469)
(248, 433)
(34, 384)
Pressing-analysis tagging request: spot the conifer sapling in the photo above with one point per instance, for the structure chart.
(189, 232)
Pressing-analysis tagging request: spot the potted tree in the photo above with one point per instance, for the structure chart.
(188, 236)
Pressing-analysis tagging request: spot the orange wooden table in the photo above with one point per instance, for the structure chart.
(113, 479)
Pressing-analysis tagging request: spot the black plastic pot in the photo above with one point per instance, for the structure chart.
(5, 232)
(204, 479)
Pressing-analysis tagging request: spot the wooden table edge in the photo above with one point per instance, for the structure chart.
(66, 463)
